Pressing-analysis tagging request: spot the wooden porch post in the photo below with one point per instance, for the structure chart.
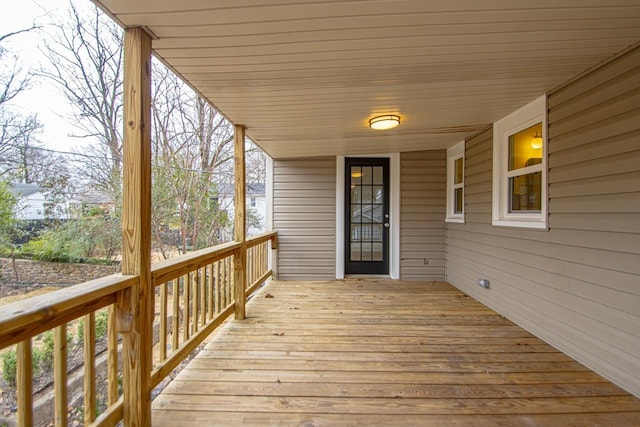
(240, 227)
(135, 308)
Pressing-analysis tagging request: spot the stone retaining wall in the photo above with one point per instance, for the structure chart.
(51, 273)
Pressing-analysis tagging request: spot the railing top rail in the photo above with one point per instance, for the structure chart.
(260, 238)
(173, 268)
(26, 318)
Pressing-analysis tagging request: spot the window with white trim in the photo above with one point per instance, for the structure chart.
(520, 167)
(455, 183)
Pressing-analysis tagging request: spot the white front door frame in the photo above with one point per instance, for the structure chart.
(394, 223)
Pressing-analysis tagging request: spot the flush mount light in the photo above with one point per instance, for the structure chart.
(384, 122)
(536, 142)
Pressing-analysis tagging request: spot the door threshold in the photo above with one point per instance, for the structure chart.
(367, 276)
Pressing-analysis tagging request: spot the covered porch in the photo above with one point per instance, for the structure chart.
(304, 81)
(383, 353)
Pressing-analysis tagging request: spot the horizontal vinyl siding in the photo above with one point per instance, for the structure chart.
(422, 211)
(577, 285)
(304, 214)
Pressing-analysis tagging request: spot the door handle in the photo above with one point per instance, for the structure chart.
(386, 224)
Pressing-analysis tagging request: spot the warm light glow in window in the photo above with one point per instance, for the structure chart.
(525, 189)
(521, 151)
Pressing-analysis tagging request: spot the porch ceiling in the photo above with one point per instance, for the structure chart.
(305, 76)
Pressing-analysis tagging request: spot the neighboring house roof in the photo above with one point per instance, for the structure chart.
(94, 197)
(24, 190)
(253, 189)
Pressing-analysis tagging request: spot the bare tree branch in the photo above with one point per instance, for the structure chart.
(26, 30)
(85, 62)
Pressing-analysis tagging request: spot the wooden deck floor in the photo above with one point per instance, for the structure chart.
(382, 353)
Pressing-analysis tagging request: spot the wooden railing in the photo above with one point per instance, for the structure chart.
(193, 295)
(21, 321)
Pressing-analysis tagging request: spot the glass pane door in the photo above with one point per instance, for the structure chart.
(367, 216)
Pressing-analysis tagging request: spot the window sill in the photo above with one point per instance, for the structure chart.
(458, 220)
(521, 223)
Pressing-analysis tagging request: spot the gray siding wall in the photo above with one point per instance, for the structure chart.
(423, 185)
(304, 214)
(577, 285)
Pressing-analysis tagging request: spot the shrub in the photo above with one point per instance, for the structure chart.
(46, 351)
(9, 366)
(102, 324)
(77, 240)
(81, 330)
(36, 360)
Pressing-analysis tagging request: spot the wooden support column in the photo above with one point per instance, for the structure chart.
(135, 307)
(240, 226)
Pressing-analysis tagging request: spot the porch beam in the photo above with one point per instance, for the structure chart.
(240, 224)
(134, 307)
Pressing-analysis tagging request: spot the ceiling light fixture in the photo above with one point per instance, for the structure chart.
(536, 141)
(388, 121)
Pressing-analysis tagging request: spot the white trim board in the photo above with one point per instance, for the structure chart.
(268, 220)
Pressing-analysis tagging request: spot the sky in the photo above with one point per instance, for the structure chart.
(43, 98)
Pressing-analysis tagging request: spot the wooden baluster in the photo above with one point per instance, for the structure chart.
(24, 384)
(265, 251)
(254, 267)
(60, 375)
(230, 277)
(211, 288)
(274, 257)
(262, 269)
(249, 257)
(194, 301)
(258, 268)
(203, 296)
(163, 321)
(223, 281)
(221, 284)
(260, 260)
(89, 368)
(186, 309)
(175, 314)
(218, 284)
(112, 361)
(255, 270)
(216, 287)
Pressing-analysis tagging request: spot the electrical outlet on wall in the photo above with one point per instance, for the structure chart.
(483, 282)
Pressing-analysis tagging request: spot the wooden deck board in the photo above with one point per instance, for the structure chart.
(387, 354)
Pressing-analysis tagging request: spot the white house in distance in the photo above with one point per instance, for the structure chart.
(31, 201)
(92, 199)
(256, 203)
(33, 204)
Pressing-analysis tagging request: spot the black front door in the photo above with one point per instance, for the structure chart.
(366, 216)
